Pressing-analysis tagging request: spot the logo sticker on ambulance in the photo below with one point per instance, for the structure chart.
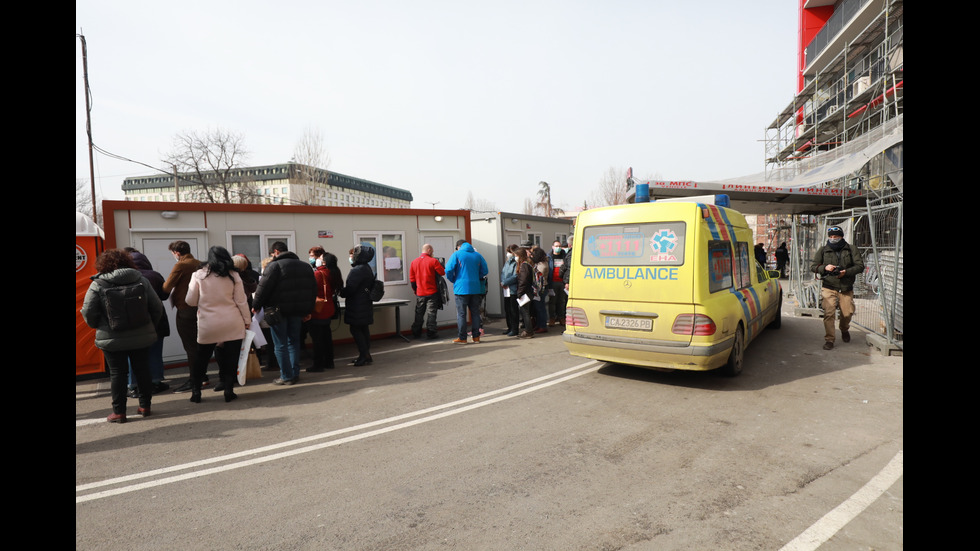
(664, 243)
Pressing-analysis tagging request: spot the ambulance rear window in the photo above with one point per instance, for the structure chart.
(652, 244)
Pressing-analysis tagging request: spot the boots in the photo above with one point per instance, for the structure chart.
(229, 382)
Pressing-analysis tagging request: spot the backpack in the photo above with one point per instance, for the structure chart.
(443, 291)
(539, 283)
(377, 290)
(126, 306)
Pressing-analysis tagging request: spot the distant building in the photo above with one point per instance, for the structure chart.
(282, 184)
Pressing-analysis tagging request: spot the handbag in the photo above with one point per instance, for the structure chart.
(243, 357)
(272, 315)
(253, 370)
(321, 303)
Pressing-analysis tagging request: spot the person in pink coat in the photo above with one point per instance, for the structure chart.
(223, 316)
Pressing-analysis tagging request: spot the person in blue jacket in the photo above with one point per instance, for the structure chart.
(465, 270)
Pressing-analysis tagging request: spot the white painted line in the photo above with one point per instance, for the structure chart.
(569, 373)
(831, 523)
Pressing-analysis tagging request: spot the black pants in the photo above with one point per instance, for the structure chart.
(426, 310)
(526, 316)
(186, 323)
(119, 362)
(227, 357)
(512, 314)
(322, 336)
(362, 339)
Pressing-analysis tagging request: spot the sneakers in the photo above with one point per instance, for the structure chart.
(526, 335)
(511, 334)
(828, 345)
(458, 340)
(845, 336)
(133, 393)
(280, 381)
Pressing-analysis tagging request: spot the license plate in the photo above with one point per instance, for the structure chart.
(633, 324)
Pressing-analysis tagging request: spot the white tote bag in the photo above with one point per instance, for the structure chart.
(243, 356)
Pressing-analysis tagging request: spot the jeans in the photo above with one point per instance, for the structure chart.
(156, 365)
(119, 362)
(473, 303)
(426, 309)
(286, 344)
(540, 313)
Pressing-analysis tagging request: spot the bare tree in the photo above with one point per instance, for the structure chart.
(528, 206)
(211, 164)
(478, 205)
(544, 205)
(611, 189)
(83, 200)
(309, 170)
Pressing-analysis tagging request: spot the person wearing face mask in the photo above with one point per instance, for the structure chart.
(556, 303)
(508, 281)
(838, 263)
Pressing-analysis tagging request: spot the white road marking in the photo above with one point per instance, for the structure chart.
(831, 523)
(488, 398)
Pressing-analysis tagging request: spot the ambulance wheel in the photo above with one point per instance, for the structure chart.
(777, 322)
(737, 356)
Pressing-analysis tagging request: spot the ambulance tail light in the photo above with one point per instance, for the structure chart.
(575, 317)
(697, 325)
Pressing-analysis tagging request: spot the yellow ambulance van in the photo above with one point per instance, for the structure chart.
(667, 285)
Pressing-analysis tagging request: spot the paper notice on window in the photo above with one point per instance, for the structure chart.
(523, 300)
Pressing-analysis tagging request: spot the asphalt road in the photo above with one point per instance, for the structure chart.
(509, 444)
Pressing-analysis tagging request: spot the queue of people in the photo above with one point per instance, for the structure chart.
(216, 301)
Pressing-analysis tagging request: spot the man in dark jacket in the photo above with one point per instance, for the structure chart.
(558, 298)
(186, 316)
(156, 280)
(839, 263)
(289, 285)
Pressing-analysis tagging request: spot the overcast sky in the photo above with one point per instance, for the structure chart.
(443, 97)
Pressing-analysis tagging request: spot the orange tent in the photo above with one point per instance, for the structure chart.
(89, 240)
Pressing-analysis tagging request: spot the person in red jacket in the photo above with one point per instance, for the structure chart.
(423, 274)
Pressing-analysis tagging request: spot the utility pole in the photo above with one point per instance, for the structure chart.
(88, 128)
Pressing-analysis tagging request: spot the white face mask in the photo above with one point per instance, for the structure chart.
(834, 239)
(351, 260)
(510, 256)
(318, 263)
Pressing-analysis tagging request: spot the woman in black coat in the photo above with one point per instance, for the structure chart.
(359, 309)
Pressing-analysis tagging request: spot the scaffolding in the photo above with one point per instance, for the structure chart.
(853, 100)
(856, 96)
